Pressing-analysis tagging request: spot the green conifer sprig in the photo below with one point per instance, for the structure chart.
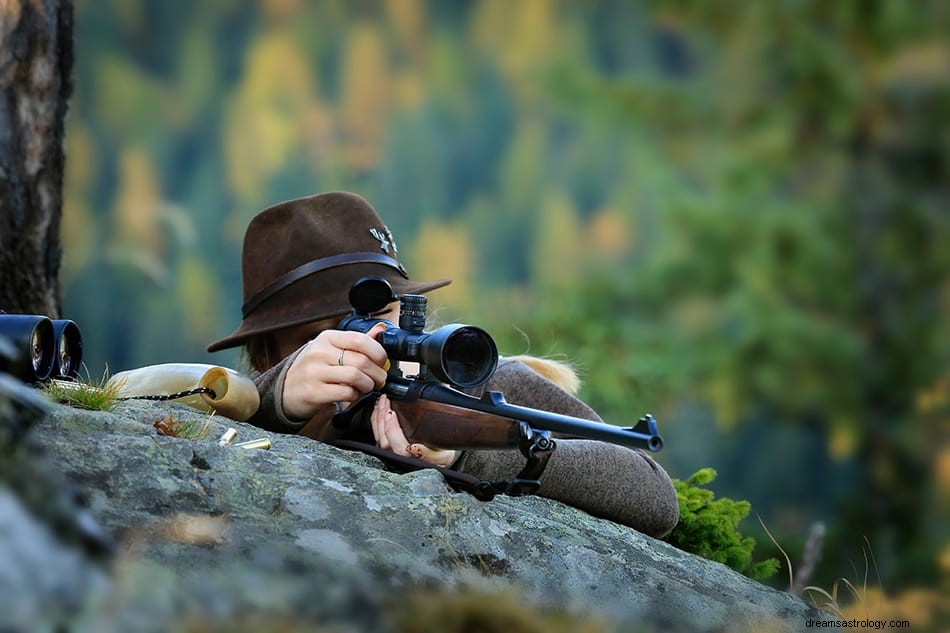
(708, 527)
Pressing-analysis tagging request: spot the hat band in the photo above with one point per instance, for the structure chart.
(314, 266)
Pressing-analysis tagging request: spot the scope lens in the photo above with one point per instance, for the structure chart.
(469, 357)
(34, 345)
(36, 351)
(68, 348)
(65, 359)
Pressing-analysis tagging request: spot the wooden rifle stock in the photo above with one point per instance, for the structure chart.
(450, 427)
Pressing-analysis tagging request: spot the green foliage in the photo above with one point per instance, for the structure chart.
(708, 527)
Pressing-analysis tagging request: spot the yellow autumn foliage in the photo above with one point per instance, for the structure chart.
(408, 19)
(78, 223)
(842, 442)
(199, 296)
(558, 243)
(923, 608)
(281, 9)
(441, 250)
(137, 203)
(610, 234)
(78, 231)
(517, 34)
(266, 117)
(941, 474)
(366, 96)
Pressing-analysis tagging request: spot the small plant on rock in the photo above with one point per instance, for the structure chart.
(708, 527)
(190, 429)
(88, 393)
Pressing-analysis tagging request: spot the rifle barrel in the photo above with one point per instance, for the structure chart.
(643, 435)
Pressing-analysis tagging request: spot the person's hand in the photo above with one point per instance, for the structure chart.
(389, 436)
(334, 367)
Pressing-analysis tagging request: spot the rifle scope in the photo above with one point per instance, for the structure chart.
(461, 355)
(34, 342)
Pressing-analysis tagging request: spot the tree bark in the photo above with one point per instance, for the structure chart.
(36, 58)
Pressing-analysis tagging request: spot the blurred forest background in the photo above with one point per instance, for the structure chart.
(732, 215)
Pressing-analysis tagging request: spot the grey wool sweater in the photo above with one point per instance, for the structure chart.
(612, 482)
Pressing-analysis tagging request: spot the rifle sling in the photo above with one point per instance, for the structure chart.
(526, 482)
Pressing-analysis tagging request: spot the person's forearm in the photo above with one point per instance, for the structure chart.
(608, 481)
(270, 386)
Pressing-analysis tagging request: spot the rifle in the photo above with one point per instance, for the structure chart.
(437, 414)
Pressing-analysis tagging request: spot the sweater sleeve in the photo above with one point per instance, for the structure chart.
(270, 414)
(613, 482)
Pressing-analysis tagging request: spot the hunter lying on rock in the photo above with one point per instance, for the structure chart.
(300, 261)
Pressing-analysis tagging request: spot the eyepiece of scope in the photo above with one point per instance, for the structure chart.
(35, 343)
(412, 312)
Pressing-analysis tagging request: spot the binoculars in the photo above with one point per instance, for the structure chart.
(460, 355)
(39, 347)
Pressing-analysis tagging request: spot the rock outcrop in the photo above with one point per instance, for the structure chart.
(306, 535)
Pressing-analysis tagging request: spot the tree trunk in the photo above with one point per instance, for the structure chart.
(36, 57)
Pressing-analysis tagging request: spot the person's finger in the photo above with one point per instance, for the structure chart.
(375, 420)
(310, 385)
(376, 330)
(310, 373)
(365, 344)
(374, 333)
(316, 394)
(323, 361)
(352, 377)
(354, 359)
(386, 420)
(349, 349)
(437, 456)
(391, 430)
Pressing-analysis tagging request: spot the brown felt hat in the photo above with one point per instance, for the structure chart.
(302, 256)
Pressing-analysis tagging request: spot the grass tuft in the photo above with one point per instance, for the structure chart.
(190, 429)
(88, 393)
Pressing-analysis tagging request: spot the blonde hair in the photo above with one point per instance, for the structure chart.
(558, 372)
